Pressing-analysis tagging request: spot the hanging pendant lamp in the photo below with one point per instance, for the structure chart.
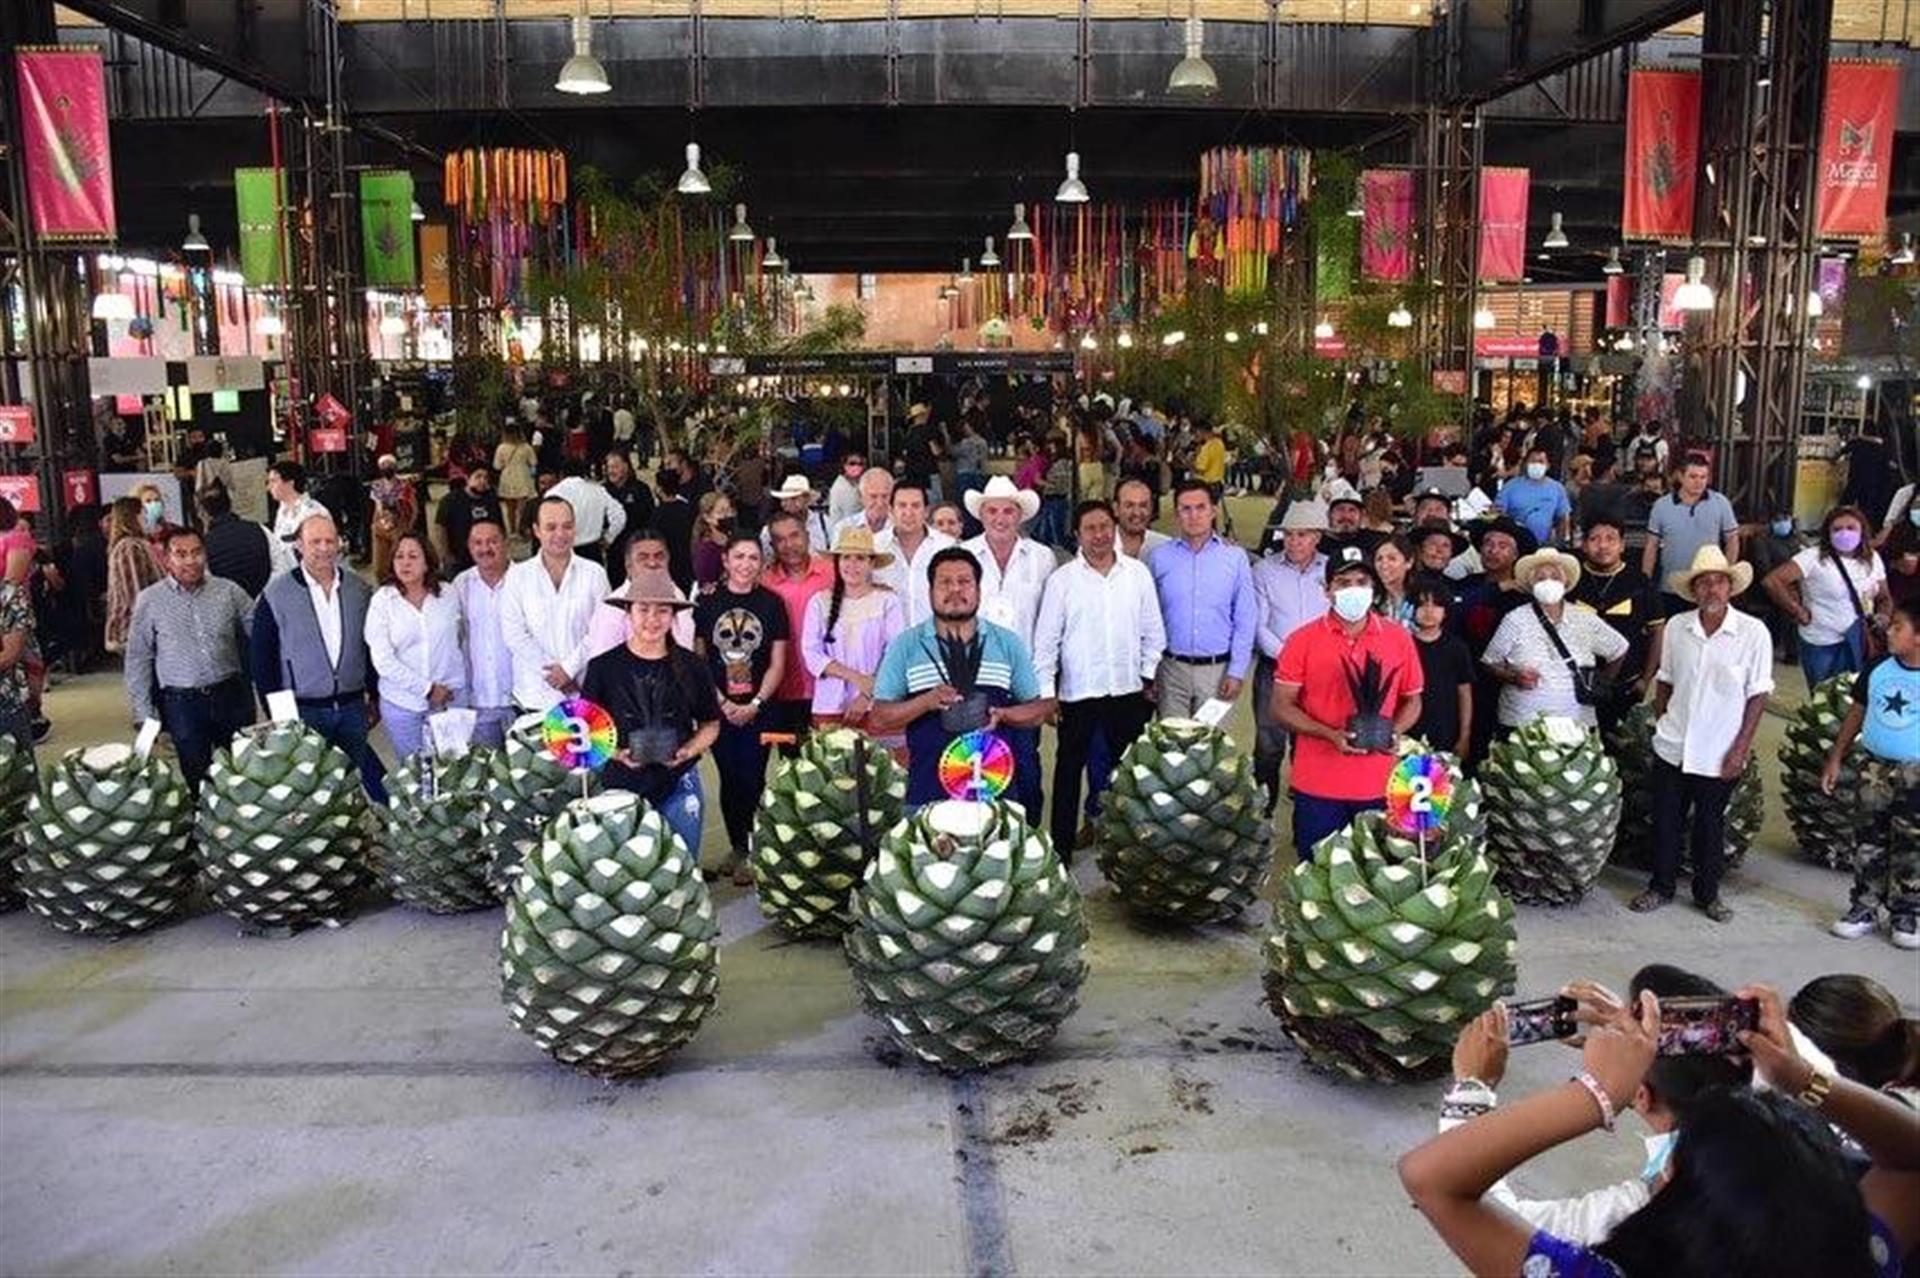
(773, 261)
(741, 232)
(1613, 264)
(1019, 230)
(1556, 234)
(693, 181)
(966, 271)
(989, 259)
(1695, 294)
(1072, 189)
(582, 73)
(195, 241)
(1193, 76)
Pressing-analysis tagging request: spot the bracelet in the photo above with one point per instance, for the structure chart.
(1600, 1098)
(1814, 1094)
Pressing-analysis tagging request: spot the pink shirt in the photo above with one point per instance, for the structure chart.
(794, 592)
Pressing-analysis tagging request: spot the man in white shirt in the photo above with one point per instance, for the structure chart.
(1716, 669)
(479, 591)
(287, 486)
(1289, 590)
(1133, 507)
(1013, 576)
(1096, 644)
(913, 545)
(876, 503)
(623, 424)
(597, 518)
(545, 610)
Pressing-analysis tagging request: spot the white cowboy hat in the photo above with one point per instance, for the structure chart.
(1705, 560)
(792, 486)
(1304, 516)
(1338, 491)
(1527, 565)
(1000, 488)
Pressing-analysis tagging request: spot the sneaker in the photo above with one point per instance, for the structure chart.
(1905, 931)
(41, 727)
(1648, 901)
(1717, 910)
(1855, 923)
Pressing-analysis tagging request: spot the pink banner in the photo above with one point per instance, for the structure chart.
(1386, 228)
(63, 131)
(1503, 224)
(1619, 301)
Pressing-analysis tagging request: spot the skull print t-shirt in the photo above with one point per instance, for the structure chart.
(739, 632)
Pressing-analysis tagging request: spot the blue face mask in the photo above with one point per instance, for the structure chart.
(1659, 1152)
(1783, 528)
(1913, 513)
(156, 513)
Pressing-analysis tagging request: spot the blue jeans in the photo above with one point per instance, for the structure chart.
(1822, 661)
(346, 727)
(1029, 789)
(1315, 818)
(685, 810)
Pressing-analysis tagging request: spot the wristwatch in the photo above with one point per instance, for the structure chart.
(1814, 1094)
(755, 703)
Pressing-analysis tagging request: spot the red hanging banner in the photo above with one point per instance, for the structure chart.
(1503, 224)
(23, 491)
(63, 127)
(1856, 148)
(1386, 226)
(16, 424)
(1663, 154)
(1619, 301)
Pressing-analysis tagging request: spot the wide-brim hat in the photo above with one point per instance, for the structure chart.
(1341, 491)
(1525, 568)
(1419, 534)
(1001, 488)
(1709, 559)
(1304, 516)
(793, 486)
(652, 586)
(1522, 538)
(918, 410)
(858, 540)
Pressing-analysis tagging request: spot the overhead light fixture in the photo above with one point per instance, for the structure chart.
(1124, 341)
(1088, 342)
(1624, 343)
(966, 271)
(773, 261)
(269, 326)
(1232, 336)
(417, 213)
(195, 242)
(1763, 81)
(1556, 234)
(1864, 382)
(1173, 338)
(741, 232)
(1019, 230)
(1072, 189)
(1483, 317)
(1613, 265)
(1323, 331)
(1260, 328)
(582, 73)
(1903, 256)
(1694, 295)
(693, 181)
(1816, 305)
(112, 306)
(949, 291)
(1193, 76)
(1400, 317)
(989, 259)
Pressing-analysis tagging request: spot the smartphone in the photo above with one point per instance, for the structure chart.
(1540, 1020)
(1707, 1026)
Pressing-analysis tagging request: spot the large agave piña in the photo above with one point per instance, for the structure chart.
(609, 955)
(282, 828)
(967, 936)
(1552, 804)
(16, 787)
(1181, 831)
(1826, 826)
(1631, 744)
(819, 823)
(106, 845)
(526, 786)
(1379, 954)
(432, 853)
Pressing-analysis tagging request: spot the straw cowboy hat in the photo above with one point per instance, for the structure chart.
(1000, 488)
(918, 410)
(653, 586)
(859, 541)
(1528, 565)
(1709, 559)
(792, 486)
(1304, 516)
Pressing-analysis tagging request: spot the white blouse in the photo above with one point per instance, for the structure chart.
(415, 648)
(1827, 597)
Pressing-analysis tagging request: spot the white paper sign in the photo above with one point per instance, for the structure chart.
(1213, 712)
(1563, 731)
(452, 731)
(126, 375)
(282, 708)
(148, 734)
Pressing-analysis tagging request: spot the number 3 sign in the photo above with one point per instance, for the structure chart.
(1419, 794)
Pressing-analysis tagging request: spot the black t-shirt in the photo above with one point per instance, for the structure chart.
(1625, 600)
(671, 693)
(1480, 605)
(459, 511)
(636, 499)
(674, 520)
(739, 632)
(1445, 667)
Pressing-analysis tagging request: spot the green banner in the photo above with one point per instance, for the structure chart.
(260, 198)
(1333, 265)
(386, 229)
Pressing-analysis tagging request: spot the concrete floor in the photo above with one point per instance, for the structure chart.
(354, 1101)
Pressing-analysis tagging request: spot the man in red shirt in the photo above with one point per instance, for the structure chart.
(796, 575)
(1321, 666)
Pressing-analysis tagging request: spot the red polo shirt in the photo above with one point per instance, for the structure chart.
(1315, 659)
(796, 684)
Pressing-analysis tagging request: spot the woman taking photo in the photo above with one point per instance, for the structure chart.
(1831, 588)
(413, 634)
(1392, 559)
(846, 633)
(130, 568)
(712, 530)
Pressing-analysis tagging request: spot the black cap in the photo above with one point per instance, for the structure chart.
(1351, 559)
(1524, 540)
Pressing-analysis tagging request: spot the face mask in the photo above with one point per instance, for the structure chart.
(1352, 602)
(1659, 1151)
(1913, 513)
(1783, 528)
(1846, 540)
(1536, 470)
(1549, 591)
(156, 512)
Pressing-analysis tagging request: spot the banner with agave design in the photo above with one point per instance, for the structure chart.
(1856, 148)
(1663, 151)
(259, 196)
(1386, 223)
(63, 138)
(436, 272)
(386, 228)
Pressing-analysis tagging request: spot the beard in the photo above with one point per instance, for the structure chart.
(955, 614)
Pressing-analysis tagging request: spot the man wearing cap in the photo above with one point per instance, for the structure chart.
(876, 503)
(597, 517)
(918, 462)
(911, 546)
(1345, 514)
(1543, 651)
(1289, 590)
(1207, 602)
(1325, 669)
(662, 703)
(1619, 594)
(795, 496)
(1716, 669)
(1484, 599)
(1013, 577)
(796, 574)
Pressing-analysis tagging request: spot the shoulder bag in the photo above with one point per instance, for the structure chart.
(1591, 685)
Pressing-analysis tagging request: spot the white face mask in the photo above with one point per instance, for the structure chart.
(1352, 602)
(1536, 470)
(1549, 592)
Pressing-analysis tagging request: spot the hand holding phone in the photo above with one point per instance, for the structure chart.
(1541, 1020)
(1706, 1026)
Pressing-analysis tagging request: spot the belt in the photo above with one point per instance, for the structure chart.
(1218, 659)
(206, 691)
(331, 703)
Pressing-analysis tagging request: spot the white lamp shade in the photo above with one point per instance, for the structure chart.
(1694, 295)
(989, 259)
(1019, 230)
(1483, 318)
(1072, 189)
(112, 306)
(195, 241)
(693, 181)
(772, 261)
(582, 73)
(1613, 264)
(741, 232)
(1323, 331)
(1193, 76)
(1556, 234)
(269, 326)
